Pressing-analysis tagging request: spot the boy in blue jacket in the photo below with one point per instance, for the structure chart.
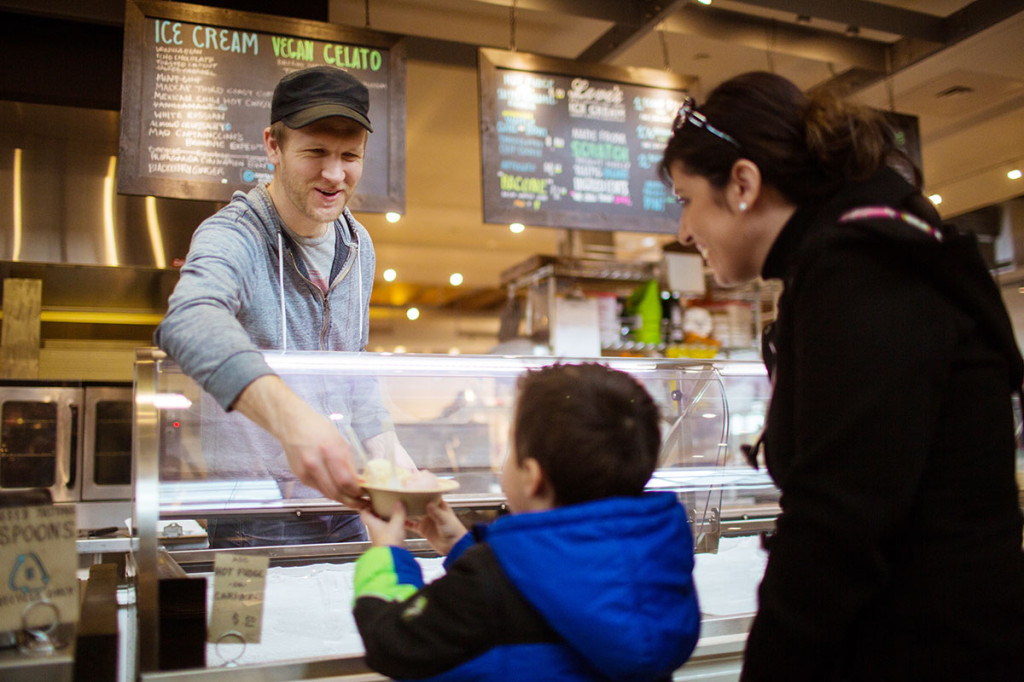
(589, 578)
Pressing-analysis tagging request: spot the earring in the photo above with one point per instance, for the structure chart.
(742, 206)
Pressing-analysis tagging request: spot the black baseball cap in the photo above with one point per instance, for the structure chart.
(306, 96)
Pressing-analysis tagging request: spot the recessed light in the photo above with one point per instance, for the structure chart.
(413, 313)
(516, 228)
(392, 217)
(935, 199)
(1015, 174)
(456, 279)
(389, 275)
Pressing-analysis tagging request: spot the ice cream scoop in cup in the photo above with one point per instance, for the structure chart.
(413, 489)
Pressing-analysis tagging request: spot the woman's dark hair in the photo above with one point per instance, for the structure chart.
(593, 430)
(806, 147)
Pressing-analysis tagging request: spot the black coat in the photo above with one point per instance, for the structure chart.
(897, 554)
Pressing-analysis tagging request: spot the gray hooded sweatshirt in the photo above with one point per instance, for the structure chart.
(226, 308)
(227, 304)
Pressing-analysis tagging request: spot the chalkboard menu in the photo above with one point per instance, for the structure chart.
(196, 91)
(575, 145)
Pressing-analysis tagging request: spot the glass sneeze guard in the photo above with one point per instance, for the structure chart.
(452, 414)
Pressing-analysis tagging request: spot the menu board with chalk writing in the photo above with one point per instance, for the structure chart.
(575, 145)
(196, 92)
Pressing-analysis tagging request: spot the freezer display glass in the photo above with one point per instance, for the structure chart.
(451, 414)
(196, 463)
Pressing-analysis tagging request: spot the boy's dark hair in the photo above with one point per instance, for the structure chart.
(593, 430)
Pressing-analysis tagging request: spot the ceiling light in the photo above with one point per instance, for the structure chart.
(167, 401)
(413, 313)
(389, 275)
(1015, 174)
(704, 2)
(516, 227)
(935, 199)
(392, 217)
(455, 279)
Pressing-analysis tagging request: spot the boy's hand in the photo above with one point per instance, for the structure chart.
(383, 533)
(440, 527)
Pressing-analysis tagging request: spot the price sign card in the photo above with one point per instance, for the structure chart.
(38, 564)
(239, 584)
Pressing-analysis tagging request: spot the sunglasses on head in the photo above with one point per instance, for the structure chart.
(688, 114)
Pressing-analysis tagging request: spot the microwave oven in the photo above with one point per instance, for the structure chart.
(71, 438)
(40, 438)
(107, 443)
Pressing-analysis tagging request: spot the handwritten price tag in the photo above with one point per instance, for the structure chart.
(239, 584)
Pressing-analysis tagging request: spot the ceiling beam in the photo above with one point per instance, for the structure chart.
(109, 12)
(645, 17)
(863, 14)
(971, 20)
(849, 81)
(978, 16)
(910, 25)
(768, 34)
(615, 11)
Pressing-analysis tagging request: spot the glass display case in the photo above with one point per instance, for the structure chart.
(452, 414)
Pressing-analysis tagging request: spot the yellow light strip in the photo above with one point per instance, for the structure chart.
(108, 213)
(16, 251)
(155, 235)
(97, 317)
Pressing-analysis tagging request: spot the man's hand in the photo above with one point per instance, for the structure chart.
(317, 453)
(440, 527)
(383, 533)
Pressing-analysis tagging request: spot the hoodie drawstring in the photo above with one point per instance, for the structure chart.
(280, 283)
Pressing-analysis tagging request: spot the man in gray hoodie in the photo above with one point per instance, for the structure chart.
(286, 266)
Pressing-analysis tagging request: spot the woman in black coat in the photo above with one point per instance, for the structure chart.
(890, 434)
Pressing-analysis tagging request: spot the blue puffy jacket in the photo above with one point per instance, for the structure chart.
(601, 590)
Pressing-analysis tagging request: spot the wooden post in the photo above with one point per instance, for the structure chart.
(19, 342)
